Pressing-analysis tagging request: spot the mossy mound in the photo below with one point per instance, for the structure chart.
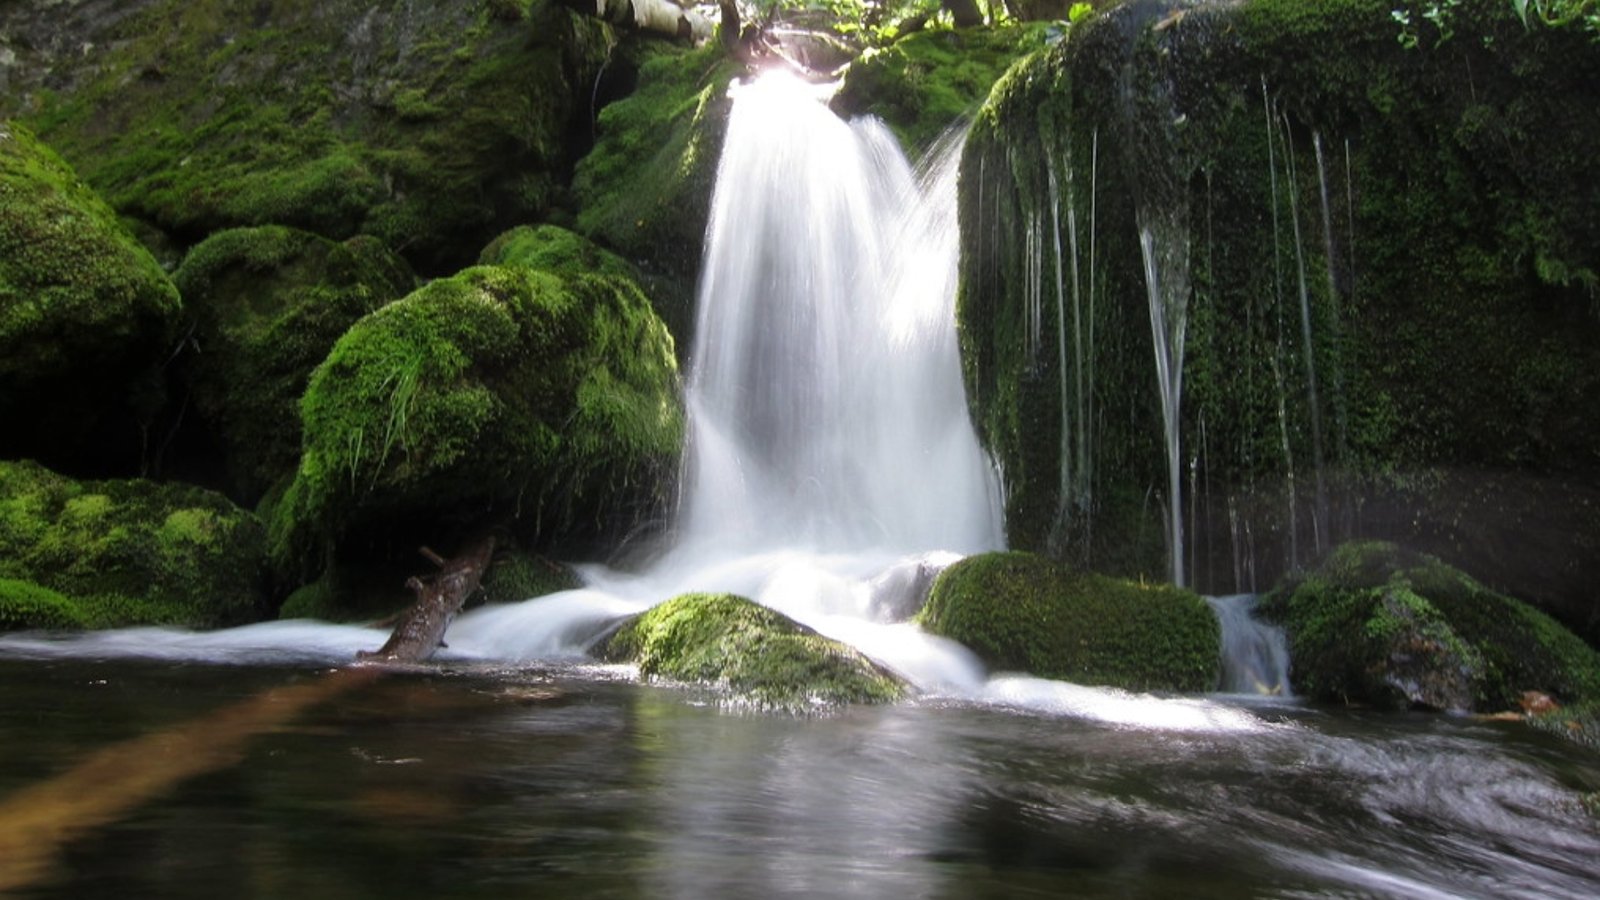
(499, 394)
(432, 127)
(85, 315)
(761, 656)
(645, 189)
(1381, 625)
(924, 83)
(129, 552)
(551, 248)
(265, 306)
(516, 575)
(25, 605)
(1024, 613)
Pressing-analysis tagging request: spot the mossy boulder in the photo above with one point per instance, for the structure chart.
(25, 605)
(86, 315)
(1378, 624)
(645, 189)
(265, 305)
(501, 395)
(127, 552)
(762, 656)
(430, 126)
(1021, 612)
(551, 248)
(929, 81)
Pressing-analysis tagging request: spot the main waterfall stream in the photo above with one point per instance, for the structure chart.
(831, 469)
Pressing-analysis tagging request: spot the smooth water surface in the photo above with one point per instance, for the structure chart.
(575, 781)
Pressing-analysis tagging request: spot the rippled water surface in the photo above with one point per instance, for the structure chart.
(575, 781)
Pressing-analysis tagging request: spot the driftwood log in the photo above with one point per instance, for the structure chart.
(421, 628)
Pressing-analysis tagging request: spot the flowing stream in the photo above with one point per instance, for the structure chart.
(831, 472)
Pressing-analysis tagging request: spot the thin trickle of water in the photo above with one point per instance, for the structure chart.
(1277, 306)
(1319, 518)
(1164, 244)
(1255, 655)
(1336, 290)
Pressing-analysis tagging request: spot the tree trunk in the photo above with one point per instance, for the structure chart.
(421, 628)
(658, 16)
(965, 12)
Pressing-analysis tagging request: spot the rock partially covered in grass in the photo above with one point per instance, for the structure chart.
(1385, 626)
(1024, 613)
(760, 655)
(112, 553)
(501, 394)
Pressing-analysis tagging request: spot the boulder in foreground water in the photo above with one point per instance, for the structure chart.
(123, 553)
(1020, 612)
(1381, 625)
(760, 655)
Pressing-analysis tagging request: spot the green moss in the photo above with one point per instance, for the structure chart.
(432, 130)
(130, 552)
(500, 394)
(644, 190)
(551, 248)
(1378, 624)
(25, 605)
(1022, 612)
(86, 313)
(761, 656)
(517, 575)
(927, 82)
(265, 306)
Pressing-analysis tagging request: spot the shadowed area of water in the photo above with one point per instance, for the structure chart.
(484, 782)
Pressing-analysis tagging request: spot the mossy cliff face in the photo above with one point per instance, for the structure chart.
(1380, 625)
(432, 126)
(1021, 612)
(264, 307)
(645, 189)
(112, 553)
(86, 314)
(761, 656)
(1381, 262)
(501, 394)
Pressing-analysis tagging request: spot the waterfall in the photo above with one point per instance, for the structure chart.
(1164, 243)
(825, 400)
(1255, 655)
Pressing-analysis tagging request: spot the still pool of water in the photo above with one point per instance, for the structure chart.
(481, 781)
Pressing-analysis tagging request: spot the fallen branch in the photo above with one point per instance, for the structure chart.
(660, 16)
(422, 626)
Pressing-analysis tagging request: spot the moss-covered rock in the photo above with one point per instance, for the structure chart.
(516, 575)
(762, 656)
(86, 314)
(1382, 264)
(431, 126)
(1378, 624)
(645, 189)
(924, 83)
(129, 552)
(25, 605)
(501, 394)
(1024, 613)
(551, 248)
(265, 306)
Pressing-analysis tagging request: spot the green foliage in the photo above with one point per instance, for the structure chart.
(265, 306)
(762, 657)
(517, 575)
(1022, 612)
(502, 392)
(551, 248)
(129, 552)
(1378, 624)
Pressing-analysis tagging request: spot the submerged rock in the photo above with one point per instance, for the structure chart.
(133, 552)
(1381, 625)
(760, 655)
(501, 394)
(86, 316)
(1024, 613)
(265, 306)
